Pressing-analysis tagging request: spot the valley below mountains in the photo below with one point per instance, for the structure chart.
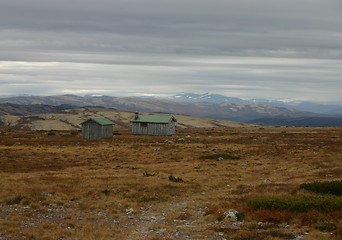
(204, 106)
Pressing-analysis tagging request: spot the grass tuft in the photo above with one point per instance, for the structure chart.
(221, 156)
(175, 179)
(15, 200)
(149, 174)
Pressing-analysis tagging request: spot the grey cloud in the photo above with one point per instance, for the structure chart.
(251, 48)
(178, 26)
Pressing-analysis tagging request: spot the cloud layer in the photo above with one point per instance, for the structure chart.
(248, 49)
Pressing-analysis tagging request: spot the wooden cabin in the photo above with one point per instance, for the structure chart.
(153, 124)
(97, 128)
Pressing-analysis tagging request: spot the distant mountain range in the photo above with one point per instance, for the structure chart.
(199, 105)
(22, 110)
(331, 109)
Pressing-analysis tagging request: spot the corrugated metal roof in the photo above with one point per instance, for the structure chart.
(100, 120)
(154, 118)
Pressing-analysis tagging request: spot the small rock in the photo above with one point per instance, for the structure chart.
(48, 194)
(243, 165)
(233, 215)
(220, 159)
(267, 181)
(161, 230)
(298, 238)
(264, 225)
(129, 211)
(236, 224)
(260, 225)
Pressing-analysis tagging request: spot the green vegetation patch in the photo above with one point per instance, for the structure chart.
(329, 187)
(299, 203)
(221, 156)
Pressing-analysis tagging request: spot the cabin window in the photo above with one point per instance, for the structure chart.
(143, 124)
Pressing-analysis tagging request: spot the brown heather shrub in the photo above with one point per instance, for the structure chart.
(275, 216)
(9, 226)
(325, 226)
(15, 200)
(215, 212)
(337, 234)
(314, 217)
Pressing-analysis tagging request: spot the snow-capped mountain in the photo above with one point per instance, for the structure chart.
(205, 98)
(331, 109)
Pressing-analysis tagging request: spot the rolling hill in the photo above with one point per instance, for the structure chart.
(63, 118)
(235, 111)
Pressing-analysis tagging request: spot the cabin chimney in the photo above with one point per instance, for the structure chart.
(136, 116)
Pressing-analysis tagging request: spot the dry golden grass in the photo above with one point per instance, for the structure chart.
(72, 119)
(54, 185)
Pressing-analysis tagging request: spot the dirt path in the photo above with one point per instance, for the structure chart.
(176, 220)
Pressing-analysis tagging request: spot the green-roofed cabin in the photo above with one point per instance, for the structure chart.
(97, 128)
(153, 124)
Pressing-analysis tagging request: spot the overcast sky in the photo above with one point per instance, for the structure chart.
(244, 48)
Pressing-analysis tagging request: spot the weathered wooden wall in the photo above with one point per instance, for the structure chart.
(154, 129)
(92, 130)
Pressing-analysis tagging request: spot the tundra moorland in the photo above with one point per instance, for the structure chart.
(54, 185)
